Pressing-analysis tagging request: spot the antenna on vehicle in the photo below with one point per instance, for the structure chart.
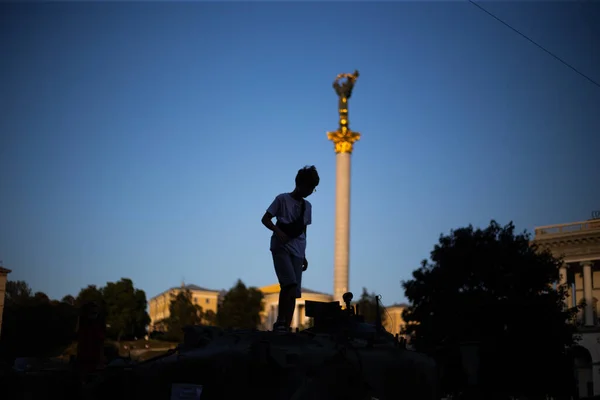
(377, 313)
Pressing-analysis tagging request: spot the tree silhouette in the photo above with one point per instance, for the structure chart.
(182, 312)
(241, 307)
(494, 287)
(125, 310)
(68, 299)
(41, 297)
(124, 307)
(16, 291)
(209, 318)
(89, 294)
(33, 325)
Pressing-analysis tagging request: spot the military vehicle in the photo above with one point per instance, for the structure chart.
(340, 357)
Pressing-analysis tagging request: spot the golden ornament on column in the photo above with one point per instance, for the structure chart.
(343, 139)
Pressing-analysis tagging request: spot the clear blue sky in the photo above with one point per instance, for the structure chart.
(146, 140)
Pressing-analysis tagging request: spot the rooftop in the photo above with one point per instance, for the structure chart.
(4, 270)
(592, 225)
(194, 287)
(190, 287)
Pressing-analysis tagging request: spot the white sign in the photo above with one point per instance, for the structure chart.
(185, 391)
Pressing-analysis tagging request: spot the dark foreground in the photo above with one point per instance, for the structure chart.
(244, 364)
(340, 358)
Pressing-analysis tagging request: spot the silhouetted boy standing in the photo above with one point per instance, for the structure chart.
(288, 242)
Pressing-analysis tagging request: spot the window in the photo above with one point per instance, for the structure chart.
(195, 300)
(207, 301)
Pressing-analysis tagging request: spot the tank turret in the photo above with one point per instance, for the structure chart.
(346, 324)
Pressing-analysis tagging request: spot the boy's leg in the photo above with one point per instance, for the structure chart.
(284, 268)
(283, 306)
(288, 295)
(295, 292)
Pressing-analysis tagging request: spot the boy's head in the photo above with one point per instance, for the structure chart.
(307, 180)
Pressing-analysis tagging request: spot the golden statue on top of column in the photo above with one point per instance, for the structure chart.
(344, 138)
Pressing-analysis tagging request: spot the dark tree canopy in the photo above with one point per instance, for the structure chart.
(124, 307)
(68, 299)
(209, 318)
(182, 312)
(16, 291)
(33, 325)
(241, 307)
(125, 310)
(89, 294)
(494, 287)
(41, 297)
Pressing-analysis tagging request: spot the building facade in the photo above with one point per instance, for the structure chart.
(393, 321)
(578, 244)
(159, 304)
(3, 278)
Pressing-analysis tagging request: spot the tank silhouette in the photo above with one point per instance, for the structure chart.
(340, 357)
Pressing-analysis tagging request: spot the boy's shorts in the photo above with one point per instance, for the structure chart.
(288, 269)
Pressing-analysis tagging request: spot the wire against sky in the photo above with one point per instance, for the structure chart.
(535, 43)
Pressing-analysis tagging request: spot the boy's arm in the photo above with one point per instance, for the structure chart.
(271, 212)
(267, 220)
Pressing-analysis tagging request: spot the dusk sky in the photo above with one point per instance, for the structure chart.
(146, 140)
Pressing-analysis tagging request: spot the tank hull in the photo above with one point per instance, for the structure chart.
(270, 365)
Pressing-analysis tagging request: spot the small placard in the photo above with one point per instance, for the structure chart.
(185, 391)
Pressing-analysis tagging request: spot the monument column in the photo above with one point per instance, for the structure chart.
(562, 279)
(343, 140)
(587, 293)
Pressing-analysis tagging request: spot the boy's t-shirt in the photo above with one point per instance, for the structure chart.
(287, 209)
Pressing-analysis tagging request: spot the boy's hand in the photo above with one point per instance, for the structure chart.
(305, 264)
(283, 238)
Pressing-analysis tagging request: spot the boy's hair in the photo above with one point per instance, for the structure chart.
(308, 176)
